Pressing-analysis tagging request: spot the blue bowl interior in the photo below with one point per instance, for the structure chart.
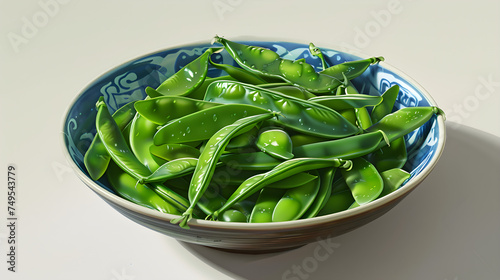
(127, 82)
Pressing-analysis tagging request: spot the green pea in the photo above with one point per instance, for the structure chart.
(364, 181)
(233, 215)
(264, 207)
(97, 158)
(163, 109)
(174, 151)
(203, 124)
(389, 157)
(393, 179)
(112, 138)
(208, 159)
(351, 69)
(127, 187)
(295, 202)
(188, 78)
(300, 115)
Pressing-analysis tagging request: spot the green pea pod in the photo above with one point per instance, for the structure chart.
(386, 106)
(172, 169)
(203, 124)
(404, 121)
(174, 151)
(127, 187)
(239, 74)
(345, 148)
(208, 159)
(344, 102)
(141, 139)
(295, 202)
(393, 179)
(337, 202)
(300, 115)
(210, 200)
(178, 201)
(389, 157)
(189, 78)
(351, 69)
(264, 207)
(112, 138)
(250, 161)
(244, 140)
(364, 181)
(363, 118)
(289, 90)
(97, 158)
(283, 170)
(276, 143)
(163, 109)
(268, 63)
(315, 51)
(324, 192)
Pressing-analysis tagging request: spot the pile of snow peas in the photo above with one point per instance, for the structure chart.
(273, 140)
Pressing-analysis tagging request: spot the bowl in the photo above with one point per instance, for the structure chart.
(128, 81)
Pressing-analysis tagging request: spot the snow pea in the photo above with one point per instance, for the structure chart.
(127, 187)
(208, 159)
(141, 139)
(268, 63)
(351, 69)
(295, 202)
(300, 115)
(97, 158)
(163, 109)
(203, 124)
(404, 121)
(233, 215)
(363, 179)
(172, 169)
(265, 204)
(363, 118)
(293, 181)
(199, 93)
(326, 177)
(174, 151)
(112, 138)
(243, 140)
(345, 148)
(344, 102)
(388, 157)
(189, 78)
(281, 171)
(393, 179)
(300, 139)
(385, 107)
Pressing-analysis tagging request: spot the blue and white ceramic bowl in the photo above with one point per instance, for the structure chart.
(127, 82)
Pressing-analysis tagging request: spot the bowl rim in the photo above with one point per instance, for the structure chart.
(220, 225)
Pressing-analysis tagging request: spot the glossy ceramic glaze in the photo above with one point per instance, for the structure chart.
(128, 81)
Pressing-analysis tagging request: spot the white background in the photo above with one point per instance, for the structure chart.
(50, 50)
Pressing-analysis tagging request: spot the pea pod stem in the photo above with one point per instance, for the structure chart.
(209, 157)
